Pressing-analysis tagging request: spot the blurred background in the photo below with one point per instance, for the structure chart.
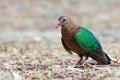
(28, 36)
(32, 16)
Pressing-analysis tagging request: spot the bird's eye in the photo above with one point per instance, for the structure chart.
(64, 20)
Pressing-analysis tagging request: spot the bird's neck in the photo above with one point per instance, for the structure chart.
(69, 28)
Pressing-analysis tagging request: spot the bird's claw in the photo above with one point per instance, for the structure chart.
(79, 66)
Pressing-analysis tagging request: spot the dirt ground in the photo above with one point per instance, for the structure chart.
(31, 48)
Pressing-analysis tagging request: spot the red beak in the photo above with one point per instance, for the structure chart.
(57, 26)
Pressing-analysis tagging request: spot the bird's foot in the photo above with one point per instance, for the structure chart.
(86, 63)
(82, 64)
(79, 66)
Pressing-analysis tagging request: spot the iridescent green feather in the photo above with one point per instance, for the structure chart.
(87, 39)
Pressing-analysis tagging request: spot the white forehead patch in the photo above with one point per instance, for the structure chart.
(65, 17)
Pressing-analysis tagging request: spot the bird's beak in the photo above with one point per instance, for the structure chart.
(58, 25)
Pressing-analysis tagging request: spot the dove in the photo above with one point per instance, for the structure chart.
(81, 41)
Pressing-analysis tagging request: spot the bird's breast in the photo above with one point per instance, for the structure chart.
(71, 43)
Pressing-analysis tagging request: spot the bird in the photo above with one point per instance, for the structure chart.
(80, 40)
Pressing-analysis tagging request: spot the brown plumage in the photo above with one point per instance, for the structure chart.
(69, 29)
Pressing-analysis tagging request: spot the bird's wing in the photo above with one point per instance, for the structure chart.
(86, 39)
(65, 47)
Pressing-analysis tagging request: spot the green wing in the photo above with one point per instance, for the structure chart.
(86, 39)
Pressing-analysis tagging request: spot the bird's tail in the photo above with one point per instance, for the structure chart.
(101, 57)
(107, 58)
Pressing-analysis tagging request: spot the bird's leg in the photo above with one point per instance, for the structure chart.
(79, 62)
(82, 63)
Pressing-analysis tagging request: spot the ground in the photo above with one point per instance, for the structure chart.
(31, 48)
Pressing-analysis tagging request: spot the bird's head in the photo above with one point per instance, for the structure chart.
(62, 20)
